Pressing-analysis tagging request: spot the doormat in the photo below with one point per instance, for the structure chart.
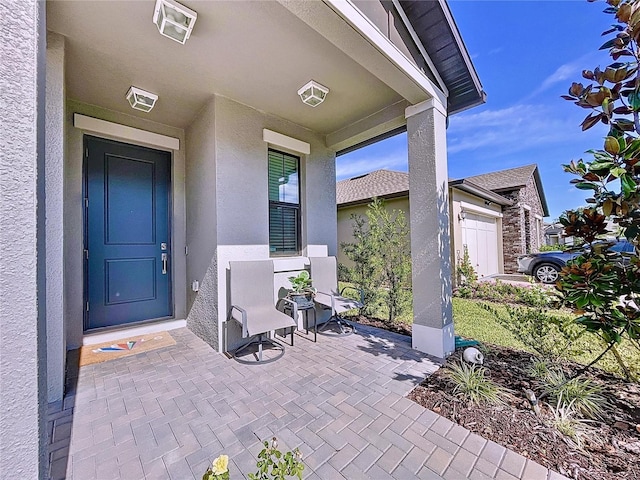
(103, 352)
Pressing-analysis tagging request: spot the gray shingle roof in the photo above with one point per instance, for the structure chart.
(380, 183)
(504, 179)
(511, 179)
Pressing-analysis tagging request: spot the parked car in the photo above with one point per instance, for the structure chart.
(546, 266)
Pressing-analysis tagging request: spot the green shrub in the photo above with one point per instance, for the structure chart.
(552, 337)
(381, 257)
(584, 395)
(344, 274)
(539, 368)
(533, 296)
(565, 421)
(275, 465)
(470, 383)
(465, 273)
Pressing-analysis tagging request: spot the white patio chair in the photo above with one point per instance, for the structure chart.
(324, 277)
(252, 305)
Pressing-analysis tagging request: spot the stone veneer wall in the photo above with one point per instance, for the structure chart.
(514, 230)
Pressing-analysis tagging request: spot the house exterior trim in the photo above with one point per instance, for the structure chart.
(416, 39)
(413, 110)
(284, 141)
(468, 207)
(368, 30)
(123, 132)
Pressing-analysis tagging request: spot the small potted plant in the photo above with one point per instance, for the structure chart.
(301, 290)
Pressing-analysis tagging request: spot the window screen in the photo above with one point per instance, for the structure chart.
(284, 204)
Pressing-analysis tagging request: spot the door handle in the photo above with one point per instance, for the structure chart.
(165, 260)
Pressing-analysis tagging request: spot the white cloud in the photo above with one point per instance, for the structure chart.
(513, 129)
(570, 71)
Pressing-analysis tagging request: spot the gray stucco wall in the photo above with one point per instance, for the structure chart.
(54, 184)
(73, 207)
(201, 225)
(429, 223)
(239, 167)
(22, 263)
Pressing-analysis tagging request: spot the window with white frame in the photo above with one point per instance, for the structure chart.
(284, 204)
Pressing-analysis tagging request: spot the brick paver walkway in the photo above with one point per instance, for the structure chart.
(165, 414)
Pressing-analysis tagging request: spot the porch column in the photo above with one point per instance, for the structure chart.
(429, 220)
(22, 262)
(54, 182)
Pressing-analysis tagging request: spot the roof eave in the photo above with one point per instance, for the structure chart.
(482, 96)
(452, 62)
(543, 199)
(364, 201)
(472, 188)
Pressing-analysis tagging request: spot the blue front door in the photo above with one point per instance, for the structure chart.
(128, 248)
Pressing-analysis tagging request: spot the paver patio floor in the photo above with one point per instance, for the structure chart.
(165, 414)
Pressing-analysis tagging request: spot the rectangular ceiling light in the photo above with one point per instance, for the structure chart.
(313, 94)
(174, 20)
(141, 99)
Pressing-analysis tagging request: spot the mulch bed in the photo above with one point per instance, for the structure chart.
(397, 327)
(611, 451)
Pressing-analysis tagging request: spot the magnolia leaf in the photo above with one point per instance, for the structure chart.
(622, 110)
(586, 186)
(622, 142)
(618, 171)
(628, 184)
(611, 145)
(607, 207)
(576, 89)
(624, 13)
(634, 100)
(624, 124)
(597, 166)
(590, 121)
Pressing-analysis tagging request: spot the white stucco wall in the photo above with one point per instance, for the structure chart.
(22, 263)
(73, 208)
(239, 166)
(54, 184)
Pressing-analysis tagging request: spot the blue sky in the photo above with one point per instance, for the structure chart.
(526, 53)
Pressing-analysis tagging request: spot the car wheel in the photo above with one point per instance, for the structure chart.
(546, 273)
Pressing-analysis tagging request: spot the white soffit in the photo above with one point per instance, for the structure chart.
(280, 140)
(124, 132)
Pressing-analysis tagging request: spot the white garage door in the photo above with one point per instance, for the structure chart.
(480, 235)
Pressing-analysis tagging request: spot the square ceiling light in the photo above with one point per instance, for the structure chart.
(141, 99)
(313, 94)
(174, 20)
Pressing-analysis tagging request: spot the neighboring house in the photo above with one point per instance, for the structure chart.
(522, 221)
(553, 234)
(487, 221)
(115, 218)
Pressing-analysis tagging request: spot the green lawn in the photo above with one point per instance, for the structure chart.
(472, 321)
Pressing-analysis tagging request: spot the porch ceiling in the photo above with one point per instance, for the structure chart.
(257, 53)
